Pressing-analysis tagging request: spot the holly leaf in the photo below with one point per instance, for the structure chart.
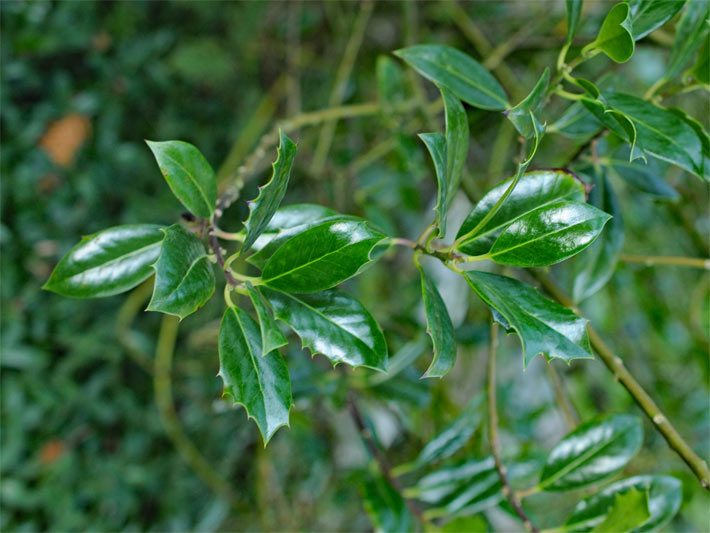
(260, 382)
(628, 511)
(615, 37)
(436, 144)
(270, 195)
(574, 11)
(109, 262)
(521, 114)
(184, 279)
(690, 33)
(334, 324)
(439, 328)
(649, 15)
(457, 139)
(271, 336)
(544, 327)
(322, 256)
(188, 174)
(458, 72)
(592, 452)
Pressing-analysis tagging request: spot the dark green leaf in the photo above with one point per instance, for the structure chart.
(544, 326)
(520, 115)
(615, 37)
(334, 324)
(436, 144)
(576, 122)
(270, 195)
(271, 336)
(615, 120)
(533, 190)
(662, 133)
(109, 262)
(574, 11)
(549, 234)
(457, 138)
(599, 261)
(628, 511)
(664, 499)
(188, 174)
(690, 33)
(385, 506)
(439, 328)
(457, 72)
(701, 70)
(260, 382)
(650, 15)
(646, 177)
(184, 279)
(592, 452)
(322, 256)
(286, 222)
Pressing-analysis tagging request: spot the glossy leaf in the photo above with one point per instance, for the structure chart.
(439, 328)
(664, 499)
(599, 261)
(270, 195)
(286, 222)
(592, 452)
(436, 144)
(271, 336)
(544, 327)
(260, 382)
(458, 72)
(109, 262)
(649, 15)
(385, 506)
(628, 511)
(574, 11)
(616, 120)
(549, 234)
(453, 437)
(184, 279)
(534, 189)
(322, 256)
(457, 139)
(662, 133)
(334, 324)
(520, 115)
(690, 33)
(188, 174)
(615, 37)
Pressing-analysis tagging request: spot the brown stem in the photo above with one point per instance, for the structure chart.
(493, 432)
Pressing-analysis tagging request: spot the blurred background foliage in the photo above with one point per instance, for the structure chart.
(84, 445)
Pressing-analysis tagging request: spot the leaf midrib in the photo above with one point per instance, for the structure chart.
(254, 366)
(193, 180)
(115, 260)
(184, 277)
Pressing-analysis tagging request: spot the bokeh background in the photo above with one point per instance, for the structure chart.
(85, 445)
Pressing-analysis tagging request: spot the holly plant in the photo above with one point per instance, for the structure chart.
(304, 252)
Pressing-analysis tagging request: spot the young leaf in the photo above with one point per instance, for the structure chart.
(649, 15)
(184, 279)
(260, 382)
(439, 328)
(544, 326)
(662, 133)
(334, 324)
(574, 11)
(450, 440)
(664, 499)
(520, 115)
(270, 195)
(188, 174)
(615, 37)
(689, 35)
(592, 452)
(599, 261)
(385, 506)
(271, 336)
(458, 72)
(533, 190)
(109, 262)
(457, 138)
(549, 234)
(322, 256)
(436, 144)
(286, 222)
(628, 511)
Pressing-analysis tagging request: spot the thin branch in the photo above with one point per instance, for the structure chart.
(493, 432)
(616, 366)
(654, 260)
(217, 250)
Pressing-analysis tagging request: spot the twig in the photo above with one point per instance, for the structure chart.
(653, 260)
(493, 431)
(616, 366)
